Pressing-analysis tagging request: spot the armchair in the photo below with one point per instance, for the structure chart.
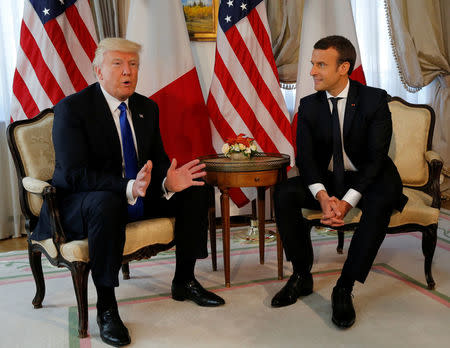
(419, 169)
(31, 146)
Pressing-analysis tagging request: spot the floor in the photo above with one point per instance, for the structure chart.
(21, 243)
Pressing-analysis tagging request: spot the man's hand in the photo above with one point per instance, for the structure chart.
(334, 210)
(181, 178)
(142, 180)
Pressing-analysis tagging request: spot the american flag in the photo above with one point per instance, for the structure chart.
(57, 46)
(245, 96)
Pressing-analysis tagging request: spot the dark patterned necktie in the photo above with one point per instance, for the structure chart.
(338, 158)
(135, 212)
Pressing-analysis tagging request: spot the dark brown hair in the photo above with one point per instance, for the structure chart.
(343, 46)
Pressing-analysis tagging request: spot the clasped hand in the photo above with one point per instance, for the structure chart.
(333, 209)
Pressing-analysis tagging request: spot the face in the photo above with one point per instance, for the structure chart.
(327, 73)
(118, 73)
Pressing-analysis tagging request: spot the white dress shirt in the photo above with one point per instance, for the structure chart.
(113, 104)
(352, 196)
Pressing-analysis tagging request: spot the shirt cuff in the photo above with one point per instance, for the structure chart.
(315, 188)
(167, 195)
(352, 197)
(131, 200)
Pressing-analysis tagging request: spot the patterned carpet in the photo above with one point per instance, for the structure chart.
(393, 307)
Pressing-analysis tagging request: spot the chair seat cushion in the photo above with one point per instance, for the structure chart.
(138, 235)
(417, 210)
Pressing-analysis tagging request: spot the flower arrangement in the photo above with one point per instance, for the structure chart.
(241, 145)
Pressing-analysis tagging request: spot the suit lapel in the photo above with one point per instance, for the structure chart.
(138, 117)
(107, 125)
(350, 107)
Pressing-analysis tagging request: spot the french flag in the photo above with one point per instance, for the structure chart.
(167, 75)
(323, 18)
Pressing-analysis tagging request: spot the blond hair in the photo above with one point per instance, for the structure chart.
(114, 44)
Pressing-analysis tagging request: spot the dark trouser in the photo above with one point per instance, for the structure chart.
(104, 218)
(377, 204)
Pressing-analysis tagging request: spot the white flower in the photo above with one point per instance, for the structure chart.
(241, 147)
(253, 147)
(248, 151)
(225, 148)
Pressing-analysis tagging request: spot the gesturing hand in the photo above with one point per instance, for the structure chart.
(181, 178)
(143, 180)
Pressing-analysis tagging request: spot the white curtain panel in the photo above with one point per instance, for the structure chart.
(11, 223)
(376, 52)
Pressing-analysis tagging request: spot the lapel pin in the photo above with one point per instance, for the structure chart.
(353, 104)
(141, 116)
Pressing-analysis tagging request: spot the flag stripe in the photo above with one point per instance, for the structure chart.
(26, 100)
(81, 31)
(245, 96)
(52, 60)
(243, 54)
(252, 97)
(43, 73)
(56, 36)
(261, 34)
(241, 105)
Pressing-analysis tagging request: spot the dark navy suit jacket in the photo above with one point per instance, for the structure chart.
(88, 153)
(367, 133)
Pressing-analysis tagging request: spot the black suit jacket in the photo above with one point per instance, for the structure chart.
(88, 153)
(367, 133)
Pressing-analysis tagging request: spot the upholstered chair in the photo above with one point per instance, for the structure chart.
(30, 142)
(419, 168)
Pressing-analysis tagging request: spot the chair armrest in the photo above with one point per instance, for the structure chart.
(48, 193)
(435, 164)
(33, 185)
(432, 156)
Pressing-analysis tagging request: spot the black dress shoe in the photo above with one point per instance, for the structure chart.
(112, 329)
(295, 287)
(343, 312)
(192, 290)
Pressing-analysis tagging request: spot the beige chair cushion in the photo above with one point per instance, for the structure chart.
(138, 235)
(35, 145)
(409, 142)
(418, 211)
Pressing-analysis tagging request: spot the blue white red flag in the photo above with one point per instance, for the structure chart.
(57, 45)
(245, 96)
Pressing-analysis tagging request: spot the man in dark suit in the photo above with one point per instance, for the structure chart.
(343, 136)
(111, 168)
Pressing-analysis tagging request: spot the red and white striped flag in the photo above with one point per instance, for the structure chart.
(57, 45)
(323, 18)
(167, 75)
(245, 96)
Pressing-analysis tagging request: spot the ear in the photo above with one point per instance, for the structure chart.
(98, 73)
(344, 67)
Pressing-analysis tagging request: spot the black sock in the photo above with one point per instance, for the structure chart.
(184, 270)
(345, 282)
(106, 298)
(304, 271)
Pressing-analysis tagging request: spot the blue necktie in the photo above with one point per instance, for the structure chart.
(338, 158)
(135, 212)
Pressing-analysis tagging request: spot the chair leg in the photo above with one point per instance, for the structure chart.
(429, 239)
(279, 256)
(126, 271)
(212, 228)
(80, 273)
(34, 257)
(340, 246)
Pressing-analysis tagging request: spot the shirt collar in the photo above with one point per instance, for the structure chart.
(343, 94)
(113, 102)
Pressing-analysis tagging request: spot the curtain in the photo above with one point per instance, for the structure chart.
(11, 222)
(110, 17)
(419, 36)
(285, 22)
